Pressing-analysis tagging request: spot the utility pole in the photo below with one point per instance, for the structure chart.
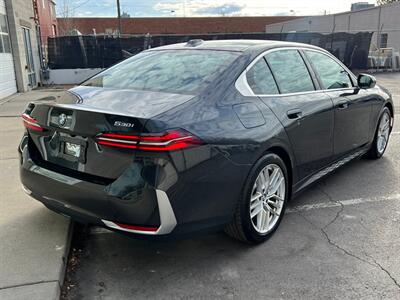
(119, 18)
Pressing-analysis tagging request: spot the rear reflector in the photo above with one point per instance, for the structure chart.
(137, 228)
(168, 141)
(132, 228)
(31, 123)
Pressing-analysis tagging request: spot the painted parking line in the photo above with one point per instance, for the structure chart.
(355, 201)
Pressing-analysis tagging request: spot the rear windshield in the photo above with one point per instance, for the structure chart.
(174, 71)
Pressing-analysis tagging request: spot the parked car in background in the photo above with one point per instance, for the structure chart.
(201, 136)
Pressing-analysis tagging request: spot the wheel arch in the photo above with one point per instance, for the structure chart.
(389, 105)
(284, 155)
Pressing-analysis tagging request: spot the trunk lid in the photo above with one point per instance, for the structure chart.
(72, 121)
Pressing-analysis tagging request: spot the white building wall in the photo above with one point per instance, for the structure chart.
(390, 24)
(299, 26)
(363, 20)
(70, 76)
(321, 24)
(342, 22)
(275, 28)
(7, 73)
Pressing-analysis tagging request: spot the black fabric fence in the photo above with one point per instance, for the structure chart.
(73, 52)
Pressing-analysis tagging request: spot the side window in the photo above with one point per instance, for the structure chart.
(260, 79)
(290, 71)
(331, 74)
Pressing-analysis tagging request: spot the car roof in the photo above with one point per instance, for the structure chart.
(233, 45)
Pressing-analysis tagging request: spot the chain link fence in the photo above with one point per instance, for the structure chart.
(358, 50)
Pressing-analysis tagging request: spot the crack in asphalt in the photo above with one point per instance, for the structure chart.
(375, 264)
(384, 270)
(334, 201)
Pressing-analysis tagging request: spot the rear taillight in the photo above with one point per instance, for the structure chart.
(168, 141)
(31, 123)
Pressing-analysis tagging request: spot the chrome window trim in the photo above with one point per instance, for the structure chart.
(244, 88)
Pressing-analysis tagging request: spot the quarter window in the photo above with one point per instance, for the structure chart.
(290, 71)
(331, 74)
(260, 79)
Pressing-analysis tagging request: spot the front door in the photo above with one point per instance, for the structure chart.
(352, 107)
(352, 113)
(30, 67)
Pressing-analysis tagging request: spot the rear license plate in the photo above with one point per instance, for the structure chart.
(72, 149)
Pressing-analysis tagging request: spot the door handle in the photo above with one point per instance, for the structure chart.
(343, 104)
(294, 113)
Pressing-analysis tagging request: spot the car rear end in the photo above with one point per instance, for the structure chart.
(86, 172)
(98, 155)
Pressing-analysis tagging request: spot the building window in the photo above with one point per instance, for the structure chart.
(54, 30)
(5, 46)
(383, 40)
(53, 9)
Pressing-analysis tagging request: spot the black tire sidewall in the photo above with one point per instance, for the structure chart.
(248, 229)
(375, 153)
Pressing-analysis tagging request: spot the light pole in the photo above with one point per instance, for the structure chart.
(119, 18)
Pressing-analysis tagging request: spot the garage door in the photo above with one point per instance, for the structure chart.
(7, 74)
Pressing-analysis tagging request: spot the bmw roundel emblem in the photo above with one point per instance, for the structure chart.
(62, 119)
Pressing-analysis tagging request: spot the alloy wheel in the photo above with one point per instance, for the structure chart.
(267, 198)
(383, 132)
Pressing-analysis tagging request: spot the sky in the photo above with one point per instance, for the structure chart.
(190, 8)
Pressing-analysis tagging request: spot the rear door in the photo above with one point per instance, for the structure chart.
(305, 113)
(352, 107)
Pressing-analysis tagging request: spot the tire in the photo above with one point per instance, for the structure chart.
(377, 150)
(254, 199)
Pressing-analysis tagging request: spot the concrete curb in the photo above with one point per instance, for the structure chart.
(42, 289)
(64, 265)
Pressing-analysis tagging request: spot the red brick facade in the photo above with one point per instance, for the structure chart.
(194, 25)
(47, 19)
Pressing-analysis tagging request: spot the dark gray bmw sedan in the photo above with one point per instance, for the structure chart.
(201, 136)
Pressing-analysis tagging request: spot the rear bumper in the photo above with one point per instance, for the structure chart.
(150, 214)
(166, 213)
(202, 199)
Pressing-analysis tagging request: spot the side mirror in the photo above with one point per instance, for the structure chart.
(366, 81)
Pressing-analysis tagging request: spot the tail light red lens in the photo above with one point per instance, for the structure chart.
(168, 141)
(31, 123)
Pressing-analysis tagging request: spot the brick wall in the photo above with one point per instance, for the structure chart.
(170, 25)
(47, 19)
